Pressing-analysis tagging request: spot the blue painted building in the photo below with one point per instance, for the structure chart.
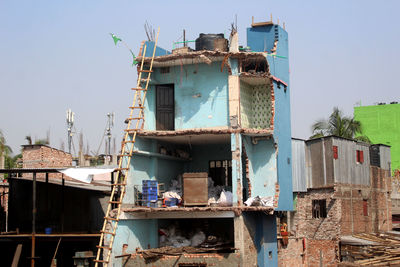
(226, 115)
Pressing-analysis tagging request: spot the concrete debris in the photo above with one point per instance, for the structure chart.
(226, 199)
(157, 253)
(260, 201)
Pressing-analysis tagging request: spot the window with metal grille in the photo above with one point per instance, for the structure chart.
(335, 152)
(220, 172)
(319, 208)
(360, 156)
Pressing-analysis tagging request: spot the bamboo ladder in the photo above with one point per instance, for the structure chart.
(111, 222)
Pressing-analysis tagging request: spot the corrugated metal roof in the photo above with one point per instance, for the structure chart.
(386, 161)
(346, 168)
(299, 166)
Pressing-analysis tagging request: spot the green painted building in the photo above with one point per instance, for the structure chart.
(381, 123)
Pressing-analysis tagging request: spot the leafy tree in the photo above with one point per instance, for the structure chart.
(11, 162)
(339, 125)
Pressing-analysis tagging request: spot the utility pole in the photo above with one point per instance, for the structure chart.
(70, 123)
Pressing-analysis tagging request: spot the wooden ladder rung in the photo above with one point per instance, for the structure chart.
(114, 202)
(119, 184)
(135, 118)
(145, 70)
(111, 219)
(103, 247)
(138, 89)
(129, 141)
(124, 155)
(122, 169)
(107, 233)
(101, 261)
(140, 107)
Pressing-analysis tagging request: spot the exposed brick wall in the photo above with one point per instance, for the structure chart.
(321, 234)
(41, 156)
(292, 254)
(322, 252)
(379, 205)
(345, 216)
(317, 228)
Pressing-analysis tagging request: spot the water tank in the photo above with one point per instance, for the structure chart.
(213, 42)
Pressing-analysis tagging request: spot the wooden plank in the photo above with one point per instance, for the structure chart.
(17, 255)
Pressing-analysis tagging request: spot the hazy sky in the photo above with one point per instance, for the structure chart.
(57, 55)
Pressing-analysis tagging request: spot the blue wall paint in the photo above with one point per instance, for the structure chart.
(137, 234)
(262, 39)
(282, 134)
(159, 51)
(264, 237)
(201, 155)
(168, 170)
(150, 168)
(268, 255)
(262, 166)
(234, 63)
(201, 96)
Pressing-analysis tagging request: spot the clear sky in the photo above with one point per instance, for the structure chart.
(57, 55)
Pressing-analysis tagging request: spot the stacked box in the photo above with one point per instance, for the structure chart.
(149, 193)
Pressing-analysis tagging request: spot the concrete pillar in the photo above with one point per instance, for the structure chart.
(234, 104)
(237, 180)
(239, 242)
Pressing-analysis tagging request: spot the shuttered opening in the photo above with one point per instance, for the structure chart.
(165, 115)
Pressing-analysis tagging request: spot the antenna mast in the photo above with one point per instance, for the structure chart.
(70, 123)
(110, 125)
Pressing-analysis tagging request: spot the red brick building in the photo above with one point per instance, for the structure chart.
(341, 190)
(43, 156)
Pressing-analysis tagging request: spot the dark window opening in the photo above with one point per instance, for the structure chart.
(221, 172)
(365, 207)
(319, 208)
(360, 156)
(255, 66)
(374, 155)
(335, 152)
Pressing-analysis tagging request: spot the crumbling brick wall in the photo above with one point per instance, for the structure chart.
(321, 235)
(366, 209)
(351, 209)
(292, 254)
(322, 252)
(353, 220)
(42, 156)
(381, 185)
(318, 228)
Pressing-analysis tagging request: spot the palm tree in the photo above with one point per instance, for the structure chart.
(4, 149)
(338, 125)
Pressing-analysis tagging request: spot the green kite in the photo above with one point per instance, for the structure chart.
(115, 38)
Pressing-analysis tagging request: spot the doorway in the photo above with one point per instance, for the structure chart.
(165, 107)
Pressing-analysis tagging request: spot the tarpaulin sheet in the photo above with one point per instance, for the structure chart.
(84, 174)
